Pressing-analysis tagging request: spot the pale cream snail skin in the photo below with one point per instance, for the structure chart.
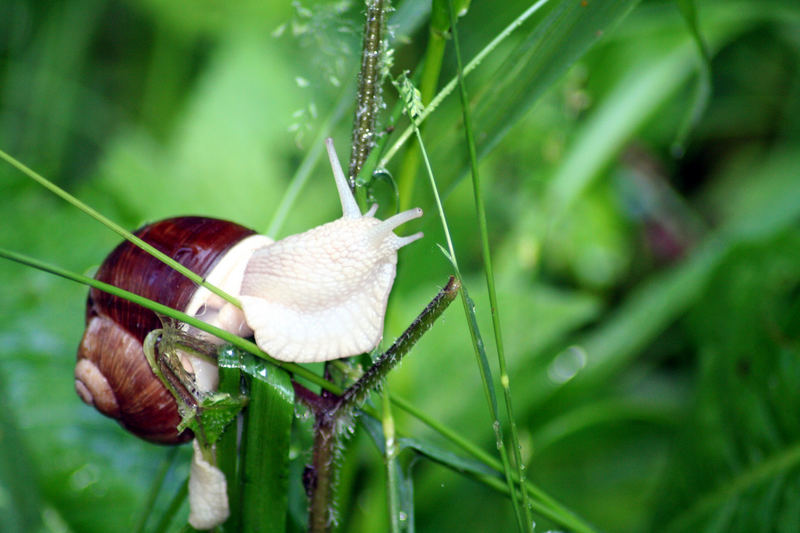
(322, 294)
(315, 296)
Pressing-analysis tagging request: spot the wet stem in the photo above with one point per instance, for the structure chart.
(321, 481)
(332, 412)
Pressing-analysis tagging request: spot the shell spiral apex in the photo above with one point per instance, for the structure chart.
(322, 294)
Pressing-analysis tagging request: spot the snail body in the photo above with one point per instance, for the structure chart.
(314, 296)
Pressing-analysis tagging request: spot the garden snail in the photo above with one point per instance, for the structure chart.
(314, 296)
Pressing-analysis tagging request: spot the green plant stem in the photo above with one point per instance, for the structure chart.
(155, 489)
(125, 234)
(505, 380)
(368, 98)
(357, 393)
(429, 79)
(321, 516)
(239, 342)
(477, 341)
(390, 463)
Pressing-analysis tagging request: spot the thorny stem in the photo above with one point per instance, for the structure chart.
(331, 412)
(357, 393)
(323, 473)
(368, 98)
(322, 476)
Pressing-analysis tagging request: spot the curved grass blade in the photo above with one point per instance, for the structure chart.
(413, 106)
(155, 488)
(113, 226)
(239, 342)
(702, 90)
(505, 380)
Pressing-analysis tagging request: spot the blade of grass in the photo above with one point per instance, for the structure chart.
(451, 85)
(413, 106)
(702, 90)
(235, 340)
(390, 463)
(505, 380)
(228, 456)
(113, 226)
(155, 488)
(268, 426)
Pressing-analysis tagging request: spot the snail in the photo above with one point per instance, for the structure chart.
(314, 296)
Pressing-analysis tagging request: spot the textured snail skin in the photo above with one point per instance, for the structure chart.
(322, 294)
(112, 372)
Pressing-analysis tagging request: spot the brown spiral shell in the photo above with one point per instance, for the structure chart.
(112, 372)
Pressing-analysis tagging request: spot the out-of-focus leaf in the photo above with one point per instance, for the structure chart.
(742, 443)
(702, 91)
(556, 39)
(227, 115)
(660, 301)
(19, 496)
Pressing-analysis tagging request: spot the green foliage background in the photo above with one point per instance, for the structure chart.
(650, 293)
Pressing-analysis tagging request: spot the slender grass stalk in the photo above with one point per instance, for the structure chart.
(155, 488)
(451, 85)
(172, 509)
(413, 106)
(429, 79)
(390, 463)
(113, 226)
(239, 342)
(480, 208)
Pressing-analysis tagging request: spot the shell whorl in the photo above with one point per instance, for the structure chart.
(112, 373)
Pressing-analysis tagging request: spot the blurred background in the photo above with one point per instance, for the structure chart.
(643, 213)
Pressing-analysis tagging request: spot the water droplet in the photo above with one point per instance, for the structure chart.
(567, 364)
(402, 516)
